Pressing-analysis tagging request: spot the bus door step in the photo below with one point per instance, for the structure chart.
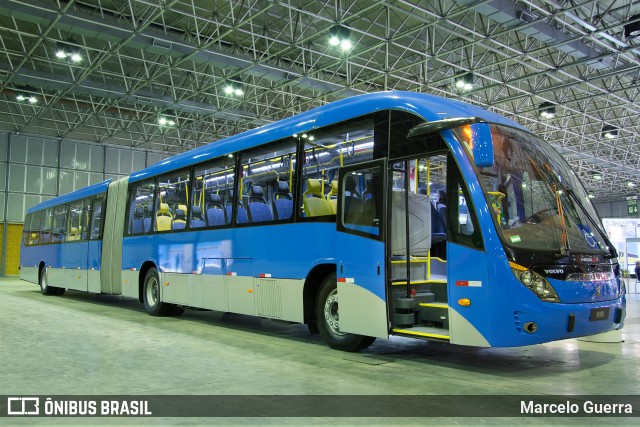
(434, 314)
(424, 332)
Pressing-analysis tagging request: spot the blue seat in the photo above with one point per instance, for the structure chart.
(216, 215)
(258, 208)
(438, 228)
(353, 206)
(243, 218)
(283, 202)
(147, 221)
(137, 222)
(179, 221)
(197, 220)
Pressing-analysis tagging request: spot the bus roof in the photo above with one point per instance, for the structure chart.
(91, 190)
(429, 107)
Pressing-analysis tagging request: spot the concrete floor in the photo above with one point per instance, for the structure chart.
(85, 344)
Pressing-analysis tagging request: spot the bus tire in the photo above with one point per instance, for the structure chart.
(151, 295)
(45, 289)
(328, 320)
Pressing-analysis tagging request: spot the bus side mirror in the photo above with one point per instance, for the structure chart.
(482, 144)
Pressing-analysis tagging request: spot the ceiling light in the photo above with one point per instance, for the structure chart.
(547, 110)
(69, 50)
(591, 195)
(631, 184)
(339, 35)
(346, 44)
(596, 176)
(163, 121)
(609, 132)
(234, 87)
(465, 81)
(25, 93)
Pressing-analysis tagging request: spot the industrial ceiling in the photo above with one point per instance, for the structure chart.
(152, 74)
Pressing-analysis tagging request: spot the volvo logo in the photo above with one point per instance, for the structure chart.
(598, 291)
(554, 271)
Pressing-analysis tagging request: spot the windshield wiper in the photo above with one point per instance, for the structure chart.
(612, 253)
(546, 175)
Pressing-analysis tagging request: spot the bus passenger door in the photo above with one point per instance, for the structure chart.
(360, 249)
(468, 278)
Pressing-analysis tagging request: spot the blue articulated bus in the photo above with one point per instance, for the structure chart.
(384, 214)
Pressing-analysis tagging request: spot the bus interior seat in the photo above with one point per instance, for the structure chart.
(163, 218)
(73, 234)
(332, 196)
(197, 220)
(333, 190)
(258, 208)
(314, 202)
(148, 215)
(283, 201)
(353, 206)
(243, 218)
(137, 224)
(179, 221)
(216, 214)
(438, 229)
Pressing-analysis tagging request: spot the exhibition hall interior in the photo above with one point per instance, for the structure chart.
(348, 212)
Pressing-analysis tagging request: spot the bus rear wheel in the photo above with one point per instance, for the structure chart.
(151, 295)
(45, 289)
(328, 320)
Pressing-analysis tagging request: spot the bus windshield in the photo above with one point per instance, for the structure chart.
(536, 197)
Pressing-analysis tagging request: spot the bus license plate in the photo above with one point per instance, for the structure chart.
(599, 314)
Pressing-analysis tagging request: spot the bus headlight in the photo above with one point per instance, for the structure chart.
(535, 282)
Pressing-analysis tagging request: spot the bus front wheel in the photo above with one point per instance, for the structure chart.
(151, 295)
(328, 320)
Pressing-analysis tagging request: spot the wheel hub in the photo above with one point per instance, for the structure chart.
(331, 315)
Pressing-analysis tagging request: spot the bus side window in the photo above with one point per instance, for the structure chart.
(140, 209)
(268, 174)
(86, 218)
(59, 222)
(172, 201)
(26, 231)
(36, 226)
(326, 150)
(212, 183)
(461, 221)
(96, 218)
(45, 221)
(73, 229)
